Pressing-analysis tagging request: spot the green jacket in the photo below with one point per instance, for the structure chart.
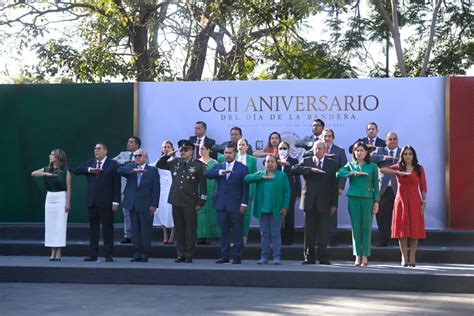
(362, 186)
(280, 194)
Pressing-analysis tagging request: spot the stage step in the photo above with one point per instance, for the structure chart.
(78, 232)
(460, 255)
(341, 275)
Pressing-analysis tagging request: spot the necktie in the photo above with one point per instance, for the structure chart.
(329, 149)
(130, 157)
(319, 165)
(198, 155)
(371, 141)
(98, 167)
(390, 153)
(139, 176)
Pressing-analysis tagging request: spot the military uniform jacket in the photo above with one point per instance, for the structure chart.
(188, 186)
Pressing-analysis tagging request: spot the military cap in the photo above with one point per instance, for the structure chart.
(185, 144)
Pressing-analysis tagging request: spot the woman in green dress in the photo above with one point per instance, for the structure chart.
(57, 181)
(363, 199)
(207, 226)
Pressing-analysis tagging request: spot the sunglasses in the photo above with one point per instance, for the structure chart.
(184, 149)
(392, 139)
(137, 155)
(283, 148)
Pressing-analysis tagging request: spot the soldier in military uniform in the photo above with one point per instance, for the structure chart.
(187, 195)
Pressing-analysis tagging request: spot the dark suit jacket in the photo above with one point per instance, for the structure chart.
(189, 185)
(230, 193)
(147, 194)
(220, 148)
(378, 143)
(319, 189)
(384, 178)
(307, 142)
(339, 158)
(209, 142)
(295, 182)
(103, 189)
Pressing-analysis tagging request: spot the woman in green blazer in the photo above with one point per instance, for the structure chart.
(272, 199)
(363, 194)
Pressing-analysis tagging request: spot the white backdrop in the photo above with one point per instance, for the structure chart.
(412, 107)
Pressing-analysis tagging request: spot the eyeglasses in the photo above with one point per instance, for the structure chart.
(137, 155)
(392, 139)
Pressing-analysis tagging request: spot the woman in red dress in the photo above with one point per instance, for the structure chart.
(408, 211)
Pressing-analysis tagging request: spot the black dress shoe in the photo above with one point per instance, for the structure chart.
(144, 260)
(136, 260)
(333, 243)
(109, 259)
(325, 262)
(179, 260)
(53, 259)
(236, 261)
(222, 261)
(126, 241)
(188, 260)
(90, 259)
(305, 262)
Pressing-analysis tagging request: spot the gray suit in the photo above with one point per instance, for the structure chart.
(308, 141)
(388, 190)
(122, 159)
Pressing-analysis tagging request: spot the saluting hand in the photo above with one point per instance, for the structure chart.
(316, 170)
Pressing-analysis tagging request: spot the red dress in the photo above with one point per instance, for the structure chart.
(408, 222)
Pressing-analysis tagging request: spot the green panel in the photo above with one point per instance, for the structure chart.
(35, 119)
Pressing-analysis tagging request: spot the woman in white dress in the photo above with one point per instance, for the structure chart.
(57, 181)
(164, 214)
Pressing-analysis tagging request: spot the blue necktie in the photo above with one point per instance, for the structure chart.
(139, 177)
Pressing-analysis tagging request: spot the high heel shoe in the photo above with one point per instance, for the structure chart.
(165, 242)
(364, 263)
(412, 265)
(357, 263)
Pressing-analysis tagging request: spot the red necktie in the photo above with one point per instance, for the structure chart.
(371, 141)
(329, 149)
(98, 167)
(198, 155)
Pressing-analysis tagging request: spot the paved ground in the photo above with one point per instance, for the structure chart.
(90, 299)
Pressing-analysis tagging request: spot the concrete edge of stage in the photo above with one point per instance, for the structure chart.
(449, 278)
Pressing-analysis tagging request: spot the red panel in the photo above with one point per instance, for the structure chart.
(461, 155)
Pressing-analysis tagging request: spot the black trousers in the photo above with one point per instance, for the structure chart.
(288, 229)
(103, 216)
(316, 223)
(185, 230)
(333, 227)
(384, 216)
(142, 226)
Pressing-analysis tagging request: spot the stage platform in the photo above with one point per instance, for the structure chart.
(445, 263)
(454, 278)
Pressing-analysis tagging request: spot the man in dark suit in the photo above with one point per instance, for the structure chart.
(371, 140)
(318, 201)
(141, 197)
(235, 136)
(384, 157)
(188, 193)
(307, 142)
(338, 155)
(284, 164)
(102, 199)
(230, 202)
(200, 129)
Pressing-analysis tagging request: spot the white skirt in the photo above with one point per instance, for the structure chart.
(164, 213)
(55, 219)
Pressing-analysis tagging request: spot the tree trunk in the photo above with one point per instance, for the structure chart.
(429, 46)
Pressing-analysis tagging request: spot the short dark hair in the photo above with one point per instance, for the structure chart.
(202, 123)
(373, 123)
(330, 130)
(236, 128)
(103, 145)
(232, 146)
(320, 121)
(273, 156)
(137, 140)
(364, 145)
